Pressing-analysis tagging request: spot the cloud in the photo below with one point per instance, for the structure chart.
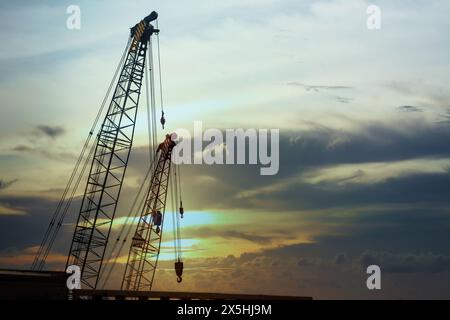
(6, 184)
(343, 99)
(410, 108)
(406, 263)
(444, 118)
(50, 131)
(369, 173)
(305, 274)
(14, 258)
(4, 210)
(345, 212)
(45, 152)
(434, 96)
(22, 148)
(317, 88)
(246, 236)
(353, 174)
(323, 167)
(32, 212)
(340, 258)
(329, 267)
(207, 232)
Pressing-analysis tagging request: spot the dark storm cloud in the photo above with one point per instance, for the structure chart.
(401, 232)
(21, 231)
(323, 147)
(50, 131)
(412, 229)
(432, 189)
(372, 143)
(301, 151)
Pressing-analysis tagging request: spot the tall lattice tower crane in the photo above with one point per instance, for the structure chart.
(109, 156)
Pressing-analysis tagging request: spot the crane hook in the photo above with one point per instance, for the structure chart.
(179, 270)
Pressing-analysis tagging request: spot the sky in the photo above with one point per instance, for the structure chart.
(364, 120)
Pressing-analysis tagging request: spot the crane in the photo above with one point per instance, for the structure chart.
(146, 242)
(109, 156)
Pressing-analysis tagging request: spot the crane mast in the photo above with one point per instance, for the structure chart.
(110, 159)
(146, 242)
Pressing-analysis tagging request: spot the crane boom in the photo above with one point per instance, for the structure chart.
(146, 242)
(110, 159)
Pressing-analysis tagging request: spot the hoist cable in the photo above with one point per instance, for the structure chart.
(87, 160)
(178, 185)
(152, 93)
(159, 69)
(39, 260)
(179, 182)
(177, 232)
(149, 117)
(62, 216)
(174, 211)
(174, 235)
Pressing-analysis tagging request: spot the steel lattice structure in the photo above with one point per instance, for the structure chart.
(110, 159)
(146, 242)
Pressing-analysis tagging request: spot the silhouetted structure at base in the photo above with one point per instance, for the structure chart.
(32, 285)
(51, 285)
(169, 295)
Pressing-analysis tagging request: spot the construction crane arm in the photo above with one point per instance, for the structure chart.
(108, 156)
(110, 160)
(146, 242)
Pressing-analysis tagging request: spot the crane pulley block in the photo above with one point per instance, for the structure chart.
(142, 31)
(179, 270)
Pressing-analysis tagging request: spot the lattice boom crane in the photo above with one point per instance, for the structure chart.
(109, 158)
(146, 242)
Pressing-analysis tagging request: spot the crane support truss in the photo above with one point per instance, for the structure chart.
(109, 163)
(146, 242)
